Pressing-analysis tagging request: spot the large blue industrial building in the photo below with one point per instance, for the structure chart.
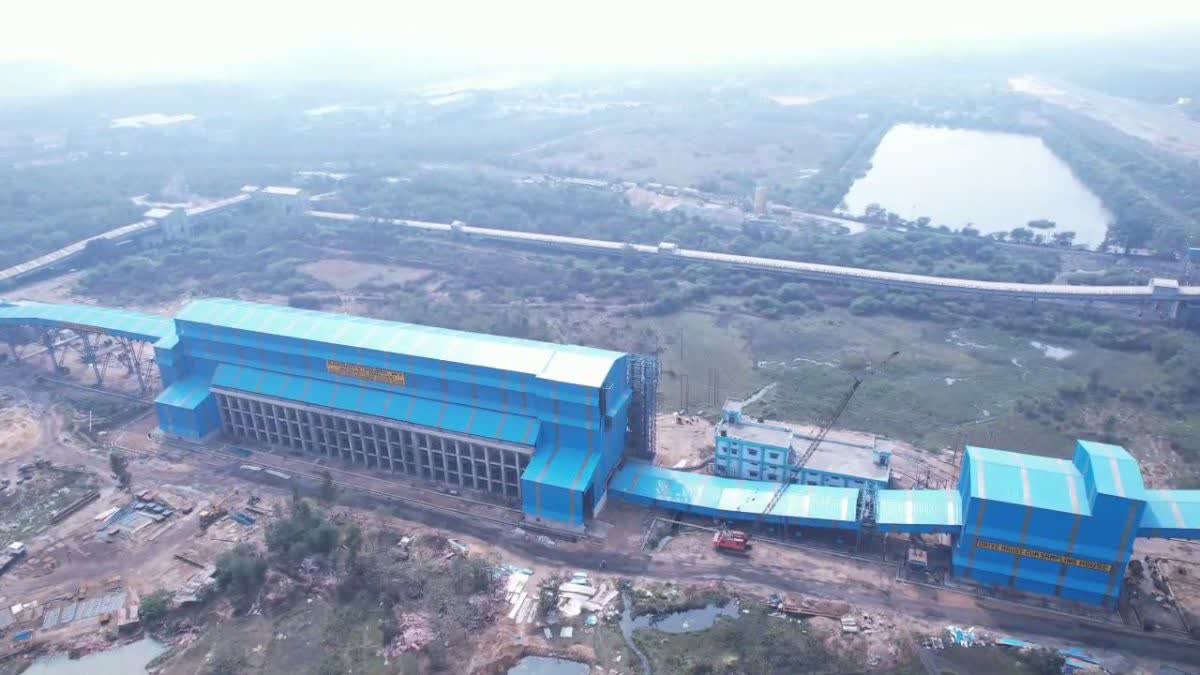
(550, 425)
(539, 422)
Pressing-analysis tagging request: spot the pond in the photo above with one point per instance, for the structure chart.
(545, 665)
(994, 181)
(688, 620)
(124, 660)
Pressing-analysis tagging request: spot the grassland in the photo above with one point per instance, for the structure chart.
(950, 385)
(752, 643)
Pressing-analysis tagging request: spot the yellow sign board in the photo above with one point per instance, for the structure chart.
(1042, 555)
(365, 373)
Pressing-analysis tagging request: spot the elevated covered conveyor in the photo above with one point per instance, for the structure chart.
(1171, 514)
(732, 499)
(115, 322)
(918, 511)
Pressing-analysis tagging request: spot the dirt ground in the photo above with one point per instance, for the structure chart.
(78, 558)
(683, 441)
(349, 274)
(688, 441)
(1184, 578)
(653, 201)
(62, 289)
(19, 432)
(1163, 126)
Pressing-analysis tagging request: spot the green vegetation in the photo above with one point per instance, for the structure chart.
(753, 643)
(1154, 196)
(986, 382)
(333, 598)
(729, 321)
(119, 464)
(711, 326)
(240, 573)
(666, 598)
(43, 208)
(302, 534)
(154, 608)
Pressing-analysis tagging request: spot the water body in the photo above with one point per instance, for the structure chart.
(996, 181)
(544, 665)
(689, 620)
(127, 659)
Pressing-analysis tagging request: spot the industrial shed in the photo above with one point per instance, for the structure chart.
(532, 421)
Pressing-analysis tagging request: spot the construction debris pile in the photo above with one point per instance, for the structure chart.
(523, 605)
(1075, 660)
(578, 595)
(148, 508)
(413, 633)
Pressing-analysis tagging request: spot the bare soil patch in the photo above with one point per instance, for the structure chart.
(684, 441)
(19, 432)
(348, 274)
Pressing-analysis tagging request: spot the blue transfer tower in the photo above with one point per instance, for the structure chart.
(1059, 527)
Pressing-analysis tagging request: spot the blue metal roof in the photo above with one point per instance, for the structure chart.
(1026, 480)
(187, 393)
(469, 420)
(568, 364)
(918, 510)
(734, 499)
(1171, 513)
(1114, 471)
(116, 322)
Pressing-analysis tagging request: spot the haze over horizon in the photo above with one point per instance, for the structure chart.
(138, 40)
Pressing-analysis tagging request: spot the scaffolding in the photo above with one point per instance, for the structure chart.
(644, 371)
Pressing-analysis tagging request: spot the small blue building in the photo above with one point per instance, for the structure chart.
(763, 450)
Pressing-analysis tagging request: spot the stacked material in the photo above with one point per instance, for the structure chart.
(523, 606)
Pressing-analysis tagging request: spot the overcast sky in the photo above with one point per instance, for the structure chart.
(215, 38)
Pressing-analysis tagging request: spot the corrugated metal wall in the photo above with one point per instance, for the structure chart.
(576, 448)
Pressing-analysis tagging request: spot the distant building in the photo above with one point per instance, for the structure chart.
(760, 200)
(173, 223)
(755, 450)
(288, 200)
(586, 182)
